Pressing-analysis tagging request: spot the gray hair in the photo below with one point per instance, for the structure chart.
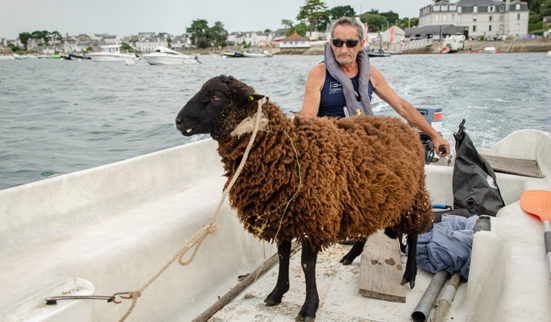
(347, 21)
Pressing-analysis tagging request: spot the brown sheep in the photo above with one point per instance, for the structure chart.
(354, 176)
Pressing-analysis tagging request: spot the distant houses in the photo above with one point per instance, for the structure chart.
(478, 18)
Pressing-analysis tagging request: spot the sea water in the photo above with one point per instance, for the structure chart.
(58, 116)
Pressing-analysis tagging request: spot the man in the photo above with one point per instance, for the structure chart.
(327, 90)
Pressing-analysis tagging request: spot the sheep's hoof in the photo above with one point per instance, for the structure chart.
(345, 261)
(270, 302)
(411, 283)
(305, 318)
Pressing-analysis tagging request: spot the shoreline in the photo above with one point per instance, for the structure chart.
(505, 46)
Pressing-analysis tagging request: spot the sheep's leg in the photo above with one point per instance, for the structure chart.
(411, 264)
(310, 306)
(354, 252)
(282, 285)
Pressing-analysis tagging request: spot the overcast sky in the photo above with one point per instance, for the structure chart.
(127, 17)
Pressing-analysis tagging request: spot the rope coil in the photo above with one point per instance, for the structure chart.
(197, 239)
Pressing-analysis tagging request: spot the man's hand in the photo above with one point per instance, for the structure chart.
(438, 142)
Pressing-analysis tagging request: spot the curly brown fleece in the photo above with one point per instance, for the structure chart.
(359, 175)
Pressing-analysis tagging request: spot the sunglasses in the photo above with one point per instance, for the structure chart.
(349, 42)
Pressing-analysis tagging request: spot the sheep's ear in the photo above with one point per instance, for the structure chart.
(255, 96)
(251, 97)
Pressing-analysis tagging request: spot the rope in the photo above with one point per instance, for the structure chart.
(199, 236)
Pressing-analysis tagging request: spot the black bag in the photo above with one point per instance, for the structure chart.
(474, 181)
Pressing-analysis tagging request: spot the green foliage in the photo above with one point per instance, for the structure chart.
(315, 13)
(203, 36)
(290, 28)
(218, 34)
(546, 9)
(23, 37)
(14, 48)
(535, 27)
(376, 22)
(126, 47)
(407, 22)
(391, 16)
(342, 11)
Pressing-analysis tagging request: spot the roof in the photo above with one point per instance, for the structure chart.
(478, 2)
(295, 37)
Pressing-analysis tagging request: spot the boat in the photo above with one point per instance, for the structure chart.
(549, 54)
(257, 54)
(166, 56)
(47, 57)
(79, 57)
(489, 50)
(444, 50)
(110, 229)
(110, 53)
(7, 57)
(234, 54)
(454, 43)
(378, 53)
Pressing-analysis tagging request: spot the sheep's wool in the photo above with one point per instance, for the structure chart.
(357, 175)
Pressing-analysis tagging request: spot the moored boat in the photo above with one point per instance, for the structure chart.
(234, 54)
(166, 56)
(489, 50)
(257, 54)
(111, 228)
(110, 53)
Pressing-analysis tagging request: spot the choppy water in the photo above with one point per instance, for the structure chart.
(63, 116)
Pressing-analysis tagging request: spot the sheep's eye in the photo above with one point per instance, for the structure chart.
(216, 98)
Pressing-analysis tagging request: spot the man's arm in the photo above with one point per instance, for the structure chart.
(312, 91)
(406, 110)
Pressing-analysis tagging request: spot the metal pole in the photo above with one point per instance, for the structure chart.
(422, 310)
(445, 301)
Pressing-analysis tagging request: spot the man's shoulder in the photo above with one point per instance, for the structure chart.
(318, 71)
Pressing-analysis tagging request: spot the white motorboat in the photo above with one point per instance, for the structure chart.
(111, 53)
(257, 54)
(7, 57)
(110, 229)
(166, 56)
(454, 43)
(489, 50)
(549, 54)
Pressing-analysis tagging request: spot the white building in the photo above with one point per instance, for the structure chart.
(482, 17)
(181, 43)
(295, 41)
(253, 38)
(394, 34)
(147, 45)
(112, 40)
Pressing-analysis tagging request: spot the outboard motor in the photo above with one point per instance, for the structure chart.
(433, 115)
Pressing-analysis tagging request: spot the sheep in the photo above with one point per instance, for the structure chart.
(353, 176)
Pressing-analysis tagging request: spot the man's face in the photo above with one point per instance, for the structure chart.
(346, 55)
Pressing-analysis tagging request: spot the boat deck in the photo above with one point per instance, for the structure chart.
(338, 289)
(115, 226)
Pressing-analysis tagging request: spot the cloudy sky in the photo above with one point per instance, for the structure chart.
(127, 17)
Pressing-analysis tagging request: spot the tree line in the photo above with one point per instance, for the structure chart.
(315, 15)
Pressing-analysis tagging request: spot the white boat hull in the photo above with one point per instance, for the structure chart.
(169, 60)
(118, 224)
(105, 57)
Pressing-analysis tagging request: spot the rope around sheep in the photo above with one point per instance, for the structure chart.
(199, 236)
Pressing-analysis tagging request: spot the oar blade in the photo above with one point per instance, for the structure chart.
(537, 203)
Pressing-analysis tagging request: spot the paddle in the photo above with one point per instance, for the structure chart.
(538, 203)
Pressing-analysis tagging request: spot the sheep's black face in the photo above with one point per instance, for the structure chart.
(201, 111)
(221, 102)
